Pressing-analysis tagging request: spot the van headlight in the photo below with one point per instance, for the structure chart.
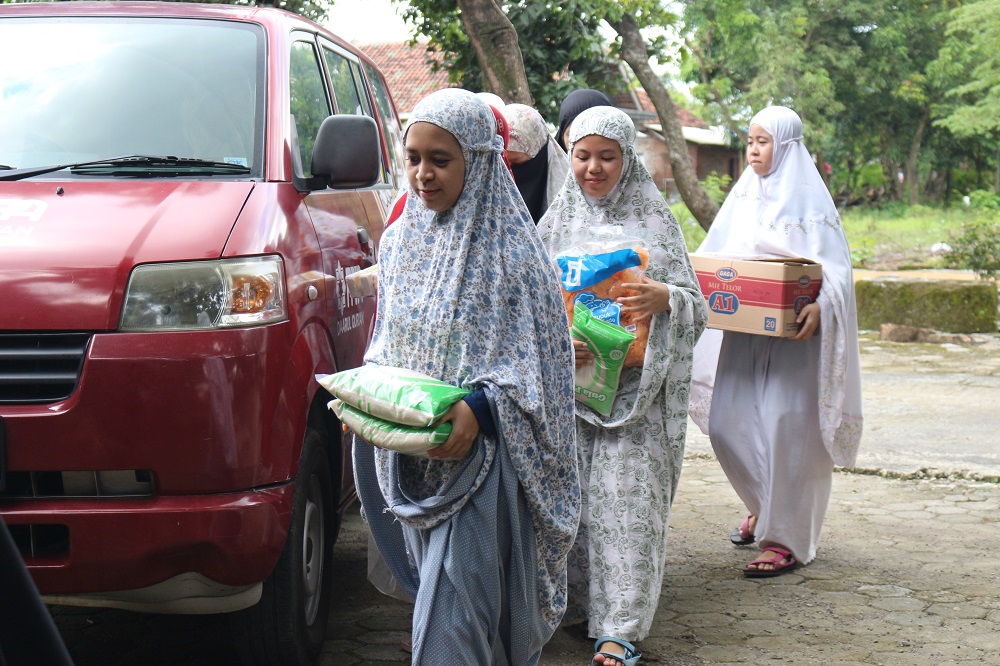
(202, 295)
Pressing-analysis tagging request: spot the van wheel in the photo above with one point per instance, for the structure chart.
(288, 625)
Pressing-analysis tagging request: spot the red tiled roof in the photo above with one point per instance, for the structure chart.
(408, 72)
(627, 102)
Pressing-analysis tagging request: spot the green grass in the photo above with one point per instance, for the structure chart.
(900, 236)
(693, 233)
(893, 237)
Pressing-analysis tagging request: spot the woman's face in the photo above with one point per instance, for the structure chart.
(435, 165)
(760, 148)
(597, 164)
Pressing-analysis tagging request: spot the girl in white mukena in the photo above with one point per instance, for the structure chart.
(630, 459)
(781, 412)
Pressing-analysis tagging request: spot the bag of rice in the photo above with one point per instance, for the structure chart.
(592, 272)
(597, 382)
(393, 394)
(386, 435)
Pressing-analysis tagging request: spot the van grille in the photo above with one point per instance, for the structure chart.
(40, 367)
(78, 484)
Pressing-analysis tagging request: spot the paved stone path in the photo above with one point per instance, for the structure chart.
(906, 575)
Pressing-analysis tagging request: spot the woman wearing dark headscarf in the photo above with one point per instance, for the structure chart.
(479, 532)
(540, 166)
(576, 103)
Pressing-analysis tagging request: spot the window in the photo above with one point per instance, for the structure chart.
(390, 126)
(91, 88)
(345, 87)
(309, 106)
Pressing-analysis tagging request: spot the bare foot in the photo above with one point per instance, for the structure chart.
(613, 648)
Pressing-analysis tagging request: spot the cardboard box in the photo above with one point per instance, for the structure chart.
(760, 296)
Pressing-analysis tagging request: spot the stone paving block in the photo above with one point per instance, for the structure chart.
(910, 619)
(900, 604)
(883, 591)
(850, 611)
(860, 602)
(960, 519)
(963, 611)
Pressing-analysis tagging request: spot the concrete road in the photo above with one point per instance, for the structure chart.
(930, 407)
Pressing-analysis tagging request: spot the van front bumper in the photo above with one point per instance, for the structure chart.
(118, 544)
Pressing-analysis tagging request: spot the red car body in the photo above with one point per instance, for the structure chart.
(155, 469)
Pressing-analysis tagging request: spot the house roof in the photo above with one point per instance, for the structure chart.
(639, 101)
(408, 71)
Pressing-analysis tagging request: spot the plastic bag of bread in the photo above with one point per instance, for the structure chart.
(592, 271)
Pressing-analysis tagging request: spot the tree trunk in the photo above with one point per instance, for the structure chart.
(635, 54)
(912, 161)
(889, 168)
(494, 40)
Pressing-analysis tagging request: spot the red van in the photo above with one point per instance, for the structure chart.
(183, 189)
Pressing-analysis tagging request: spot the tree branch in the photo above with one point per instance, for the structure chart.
(635, 54)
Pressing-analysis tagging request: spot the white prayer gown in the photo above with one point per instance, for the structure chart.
(781, 413)
(630, 460)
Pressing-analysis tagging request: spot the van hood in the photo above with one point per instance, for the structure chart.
(68, 247)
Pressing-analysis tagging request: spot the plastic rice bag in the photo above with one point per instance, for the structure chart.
(393, 394)
(597, 382)
(387, 435)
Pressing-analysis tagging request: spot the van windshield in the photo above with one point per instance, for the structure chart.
(84, 89)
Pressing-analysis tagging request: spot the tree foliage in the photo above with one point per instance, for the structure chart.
(869, 77)
(972, 57)
(560, 44)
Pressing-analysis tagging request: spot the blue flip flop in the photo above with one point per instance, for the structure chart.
(630, 658)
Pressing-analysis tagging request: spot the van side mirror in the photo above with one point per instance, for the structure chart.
(347, 152)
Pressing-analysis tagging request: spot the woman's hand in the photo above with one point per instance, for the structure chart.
(653, 298)
(808, 321)
(581, 353)
(464, 430)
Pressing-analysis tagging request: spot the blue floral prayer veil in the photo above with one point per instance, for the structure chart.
(467, 118)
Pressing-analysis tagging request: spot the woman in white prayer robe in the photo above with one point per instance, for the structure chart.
(630, 459)
(781, 412)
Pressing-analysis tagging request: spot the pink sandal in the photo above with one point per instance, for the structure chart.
(784, 565)
(742, 536)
